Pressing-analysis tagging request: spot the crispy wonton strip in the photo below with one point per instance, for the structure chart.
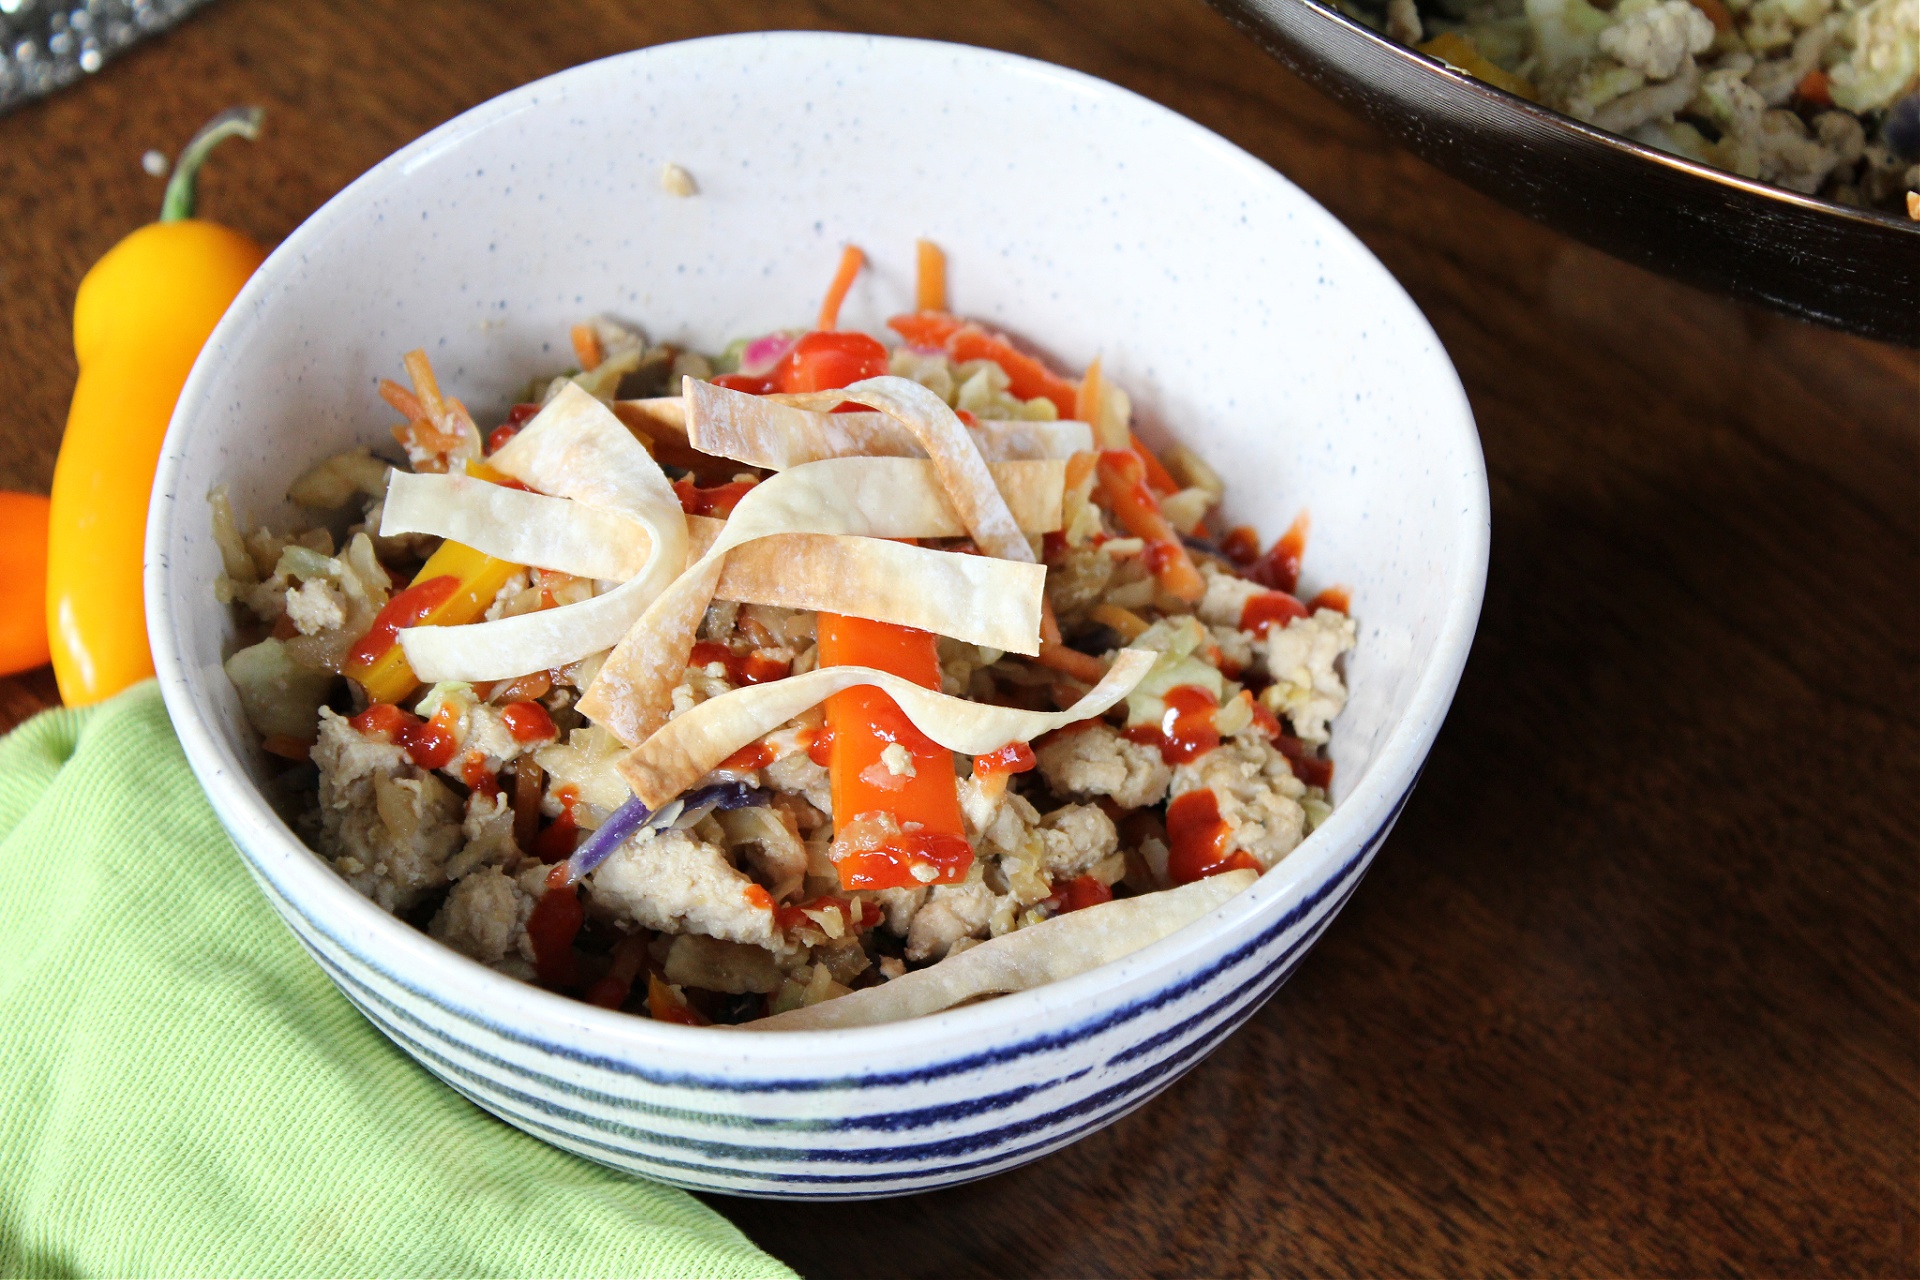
(862, 497)
(692, 743)
(574, 448)
(973, 598)
(1063, 947)
(938, 430)
(513, 524)
(766, 431)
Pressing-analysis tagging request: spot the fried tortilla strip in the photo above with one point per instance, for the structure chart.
(963, 472)
(773, 432)
(861, 497)
(1062, 947)
(513, 524)
(687, 747)
(574, 448)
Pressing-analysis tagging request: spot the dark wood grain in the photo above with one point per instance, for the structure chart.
(1633, 987)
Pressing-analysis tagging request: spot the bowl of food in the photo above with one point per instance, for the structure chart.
(532, 712)
(1763, 149)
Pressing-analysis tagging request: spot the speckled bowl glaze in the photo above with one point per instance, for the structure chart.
(1243, 318)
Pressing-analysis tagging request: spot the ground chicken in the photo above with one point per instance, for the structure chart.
(1258, 795)
(1657, 39)
(1076, 839)
(950, 913)
(1226, 597)
(1306, 688)
(677, 883)
(316, 605)
(485, 917)
(388, 826)
(488, 830)
(1097, 761)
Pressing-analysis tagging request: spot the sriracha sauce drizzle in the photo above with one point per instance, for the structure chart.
(409, 608)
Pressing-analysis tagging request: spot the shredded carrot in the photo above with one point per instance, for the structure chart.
(1123, 486)
(404, 402)
(1086, 404)
(1079, 467)
(1159, 479)
(586, 347)
(1125, 621)
(1815, 89)
(1049, 625)
(851, 260)
(1071, 662)
(930, 286)
(427, 387)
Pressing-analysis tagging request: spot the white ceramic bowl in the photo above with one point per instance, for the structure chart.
(1242, 317)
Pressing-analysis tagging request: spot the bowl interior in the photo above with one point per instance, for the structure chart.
(1243, 319)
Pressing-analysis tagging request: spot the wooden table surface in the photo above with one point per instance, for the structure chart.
(1632, 988)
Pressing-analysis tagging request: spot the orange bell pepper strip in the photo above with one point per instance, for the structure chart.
(23, 582)
(453, 587)
(897, 816)
(964, 340)
(1123, 486)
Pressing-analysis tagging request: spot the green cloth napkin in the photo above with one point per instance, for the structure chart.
(182, 1091)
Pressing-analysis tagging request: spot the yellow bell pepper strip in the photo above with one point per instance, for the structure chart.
(895, 804)
(140, 318)
(23, 582)
(453, 587)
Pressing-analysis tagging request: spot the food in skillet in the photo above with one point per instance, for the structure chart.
(1818, 96)
(847, 684)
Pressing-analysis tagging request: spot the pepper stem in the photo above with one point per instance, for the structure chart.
(241, 122)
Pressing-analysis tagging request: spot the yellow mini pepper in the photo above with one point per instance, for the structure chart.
(142, 314)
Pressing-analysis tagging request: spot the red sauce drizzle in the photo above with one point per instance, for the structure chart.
(1280, 567)
(552, 927)
(528, 722)
(1015, 757)
(555, 844)
(1262, 612)
(742, 668)
(1241, 545)
(517, 417)
(885, 867)
(1312, 770)
(755, 755)
(1198, 839)
(855, 914)
(1081, 891)
(720, 500)
(1053, 546)
(820, 746)
(432, 744)
(1159, 555)
(405, 610)
(479, 778)
(1186, 730)
(1335, 598)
